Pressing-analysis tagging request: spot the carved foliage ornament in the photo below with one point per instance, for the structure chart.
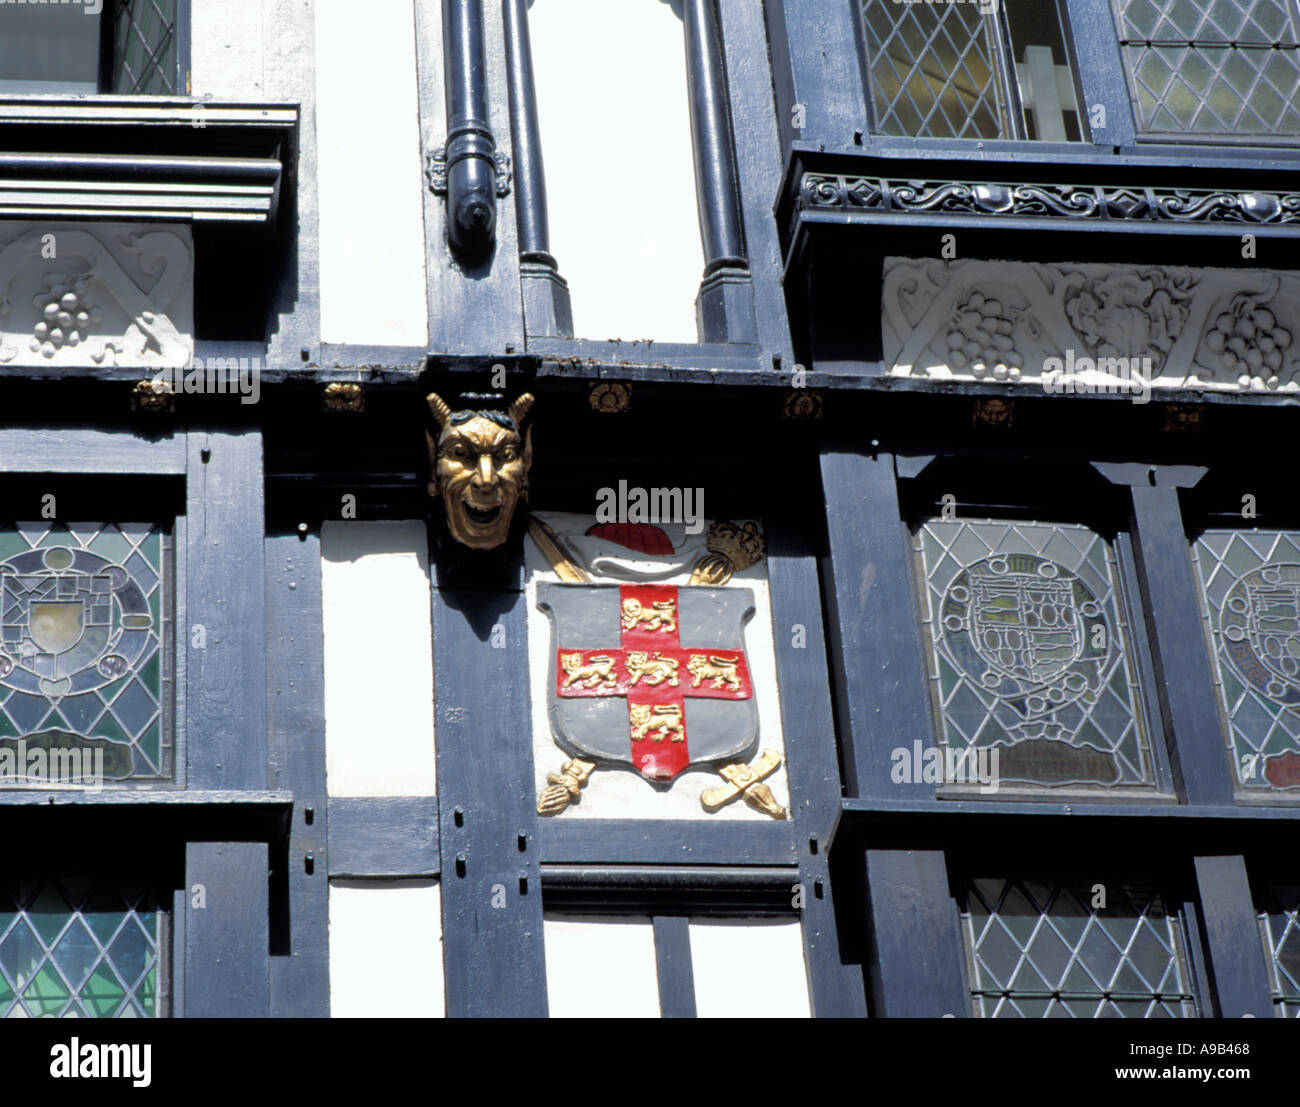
(1090, 325)
(479, 464)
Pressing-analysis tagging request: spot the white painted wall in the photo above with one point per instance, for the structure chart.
(616, 139)
(228, 48)
(371, 176)
(749, 968)
(379, 738)
(600, 968)
(386, 949)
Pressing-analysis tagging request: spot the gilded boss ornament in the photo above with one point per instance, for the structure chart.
(479, 465)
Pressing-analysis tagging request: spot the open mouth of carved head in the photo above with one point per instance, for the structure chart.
(480, 516)
(483, 516)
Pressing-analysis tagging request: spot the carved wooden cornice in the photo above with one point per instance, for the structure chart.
(147, 159)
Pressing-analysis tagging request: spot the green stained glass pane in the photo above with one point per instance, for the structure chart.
(56, 536)
(150, 672)
(151, 741)
(46, 994)
(109, 543)
(103, 993)
(95, 955)
(147, 993)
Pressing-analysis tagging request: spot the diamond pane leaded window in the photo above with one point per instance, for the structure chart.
(128, 47)
(85, 673)
(1214, 67)
(935, 70)
(1039, 949)
(1279, 922)
(970, 70)
(145, 47)
(1030, 652)
(78, 948)
(1250, 585)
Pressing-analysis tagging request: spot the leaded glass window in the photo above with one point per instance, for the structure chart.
(970, 70)
(85, 653)
(127, 47)
(1038, 948)
(1279, 922)
(145, 42)
(1214, 67)
(1250, 585)
(1030, 651)
(79, 948)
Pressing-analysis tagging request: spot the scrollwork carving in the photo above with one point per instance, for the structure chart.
(1051, 200)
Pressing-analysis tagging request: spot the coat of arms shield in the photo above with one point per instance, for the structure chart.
(651, 676)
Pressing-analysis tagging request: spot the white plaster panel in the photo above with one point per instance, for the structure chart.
(620, 174)
(749, 968)
(227, 49)
(600, 968)
(371, 177)
(386, 949)
(96, 295)
(379, 738)
(617, 793)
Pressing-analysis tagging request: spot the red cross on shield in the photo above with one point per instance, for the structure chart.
(650, 675)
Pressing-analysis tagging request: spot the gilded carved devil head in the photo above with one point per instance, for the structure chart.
(479, 464)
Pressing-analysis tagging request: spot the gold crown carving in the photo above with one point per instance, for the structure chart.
(742, 546)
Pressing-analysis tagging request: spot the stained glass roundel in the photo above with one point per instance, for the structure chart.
(1030, 632)
(1260, 621)
(71, 621)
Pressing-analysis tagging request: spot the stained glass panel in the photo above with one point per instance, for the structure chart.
(85, 673)
(78, 948)
(1030, 653)
(1279, 922)
(1040, 949)
(1250, 585)
(1212, 66)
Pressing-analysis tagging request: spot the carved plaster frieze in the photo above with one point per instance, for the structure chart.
(1089, 324)
(96, 295)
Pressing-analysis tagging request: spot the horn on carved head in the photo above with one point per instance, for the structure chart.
(519, 409)
(437, 405)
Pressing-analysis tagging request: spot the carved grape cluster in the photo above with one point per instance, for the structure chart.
(1248, 342)
(65, 315)
(979, 337)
